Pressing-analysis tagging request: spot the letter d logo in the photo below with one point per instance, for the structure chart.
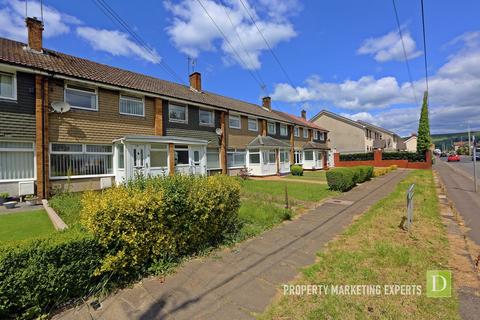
(439, 284)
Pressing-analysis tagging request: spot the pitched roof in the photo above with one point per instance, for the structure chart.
(15, 53)
(299, 120)
(315, 145)
(338, 117)
(368, 124)
(267, 141)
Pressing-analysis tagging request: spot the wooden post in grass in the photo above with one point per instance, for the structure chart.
(286, 197)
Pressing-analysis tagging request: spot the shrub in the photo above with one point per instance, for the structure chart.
(296, 170)
(356, 156)
(404, 155)
(43, 274)
(377, 172)
(161, 218)
(343, 179)
(68, 206)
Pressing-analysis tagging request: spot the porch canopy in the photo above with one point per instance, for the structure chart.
(161, 139)
(315, 146)
(267, 142)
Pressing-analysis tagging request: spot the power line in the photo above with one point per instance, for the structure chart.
(268, 44)
(262, 86)
(405, 53)
(116, 18)
(244, 47)
(424, 47)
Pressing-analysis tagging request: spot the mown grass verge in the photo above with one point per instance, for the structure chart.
(374, 250)
(21, 226)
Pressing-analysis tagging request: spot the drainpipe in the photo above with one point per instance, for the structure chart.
(44, 187)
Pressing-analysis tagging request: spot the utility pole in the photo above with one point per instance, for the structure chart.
(474, 165)
(469, 139)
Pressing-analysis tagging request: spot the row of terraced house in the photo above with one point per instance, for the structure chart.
(119, 123)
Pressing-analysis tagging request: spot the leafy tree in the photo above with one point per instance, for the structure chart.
(424, 140)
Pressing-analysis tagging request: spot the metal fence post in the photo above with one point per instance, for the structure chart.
(410, 193)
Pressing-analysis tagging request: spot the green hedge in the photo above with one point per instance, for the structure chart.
(39, 276)
(161, 218)
(356, 156)
(296, 170)
(344, 179)
(404, 155)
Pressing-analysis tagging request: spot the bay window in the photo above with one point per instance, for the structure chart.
(8, 88)
(236, 158)
(16, 160)
(80, 160)
(213, 158)
(177, 113)
(133, 106)
(81, 97)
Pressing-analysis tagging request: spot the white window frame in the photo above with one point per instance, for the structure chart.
(296, 132)
(219, 160)
(230, 116)
(274, 127)
(212, 112)
(153, 148)
(66, 87)
(131, 98)
(22, 150)
(170, 105)
(14, 85)
(235, 150)
(84, 151)
(298, 154)
(256, 124)
(286, 130)
(305, 133)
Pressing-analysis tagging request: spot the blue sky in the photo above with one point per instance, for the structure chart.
(345, 56)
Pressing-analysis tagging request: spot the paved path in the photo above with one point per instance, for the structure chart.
(460, 190)
(240, 282)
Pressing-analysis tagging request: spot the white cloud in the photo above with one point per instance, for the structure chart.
(12, 20)
(453, 94)
(389, 47)
(192, 31)
(116, 43)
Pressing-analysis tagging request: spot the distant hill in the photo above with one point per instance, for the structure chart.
(447, 139)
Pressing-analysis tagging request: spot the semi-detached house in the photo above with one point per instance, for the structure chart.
(121, 123)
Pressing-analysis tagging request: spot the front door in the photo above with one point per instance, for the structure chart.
(197, 160)
(139, 160)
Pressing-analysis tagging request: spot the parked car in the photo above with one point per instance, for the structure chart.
(443, 154)
(453, 157)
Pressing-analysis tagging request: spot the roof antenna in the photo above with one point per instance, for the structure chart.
(26, 9)
(41, 9)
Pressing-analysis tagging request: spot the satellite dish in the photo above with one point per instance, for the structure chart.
(218, 131)
(60, 106)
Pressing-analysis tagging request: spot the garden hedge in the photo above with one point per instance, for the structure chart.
(356, 156)
(344, 179)
(296, 170)
(41, 275)
(404, 155)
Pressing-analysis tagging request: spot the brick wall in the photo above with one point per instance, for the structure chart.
(378, 162)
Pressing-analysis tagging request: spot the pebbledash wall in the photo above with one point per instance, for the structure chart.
(378, 162)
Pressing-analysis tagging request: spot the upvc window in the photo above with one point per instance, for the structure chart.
(206, 117)
(271, 128)
(323, 136)
(120, 156)
(254, 156)
(296, 132)
(298, 157)
(236, 158)
(234, 121)
(181, 155)
(158, 155)
(132, 106)
(283, 130)
(17, 160)
(305, 133)
(81, 97)
(8, 86)
(252, 124)
(177, 113)
(213, 158)
(284, 156)
(269, 157)
(308, 155)
(79, 160)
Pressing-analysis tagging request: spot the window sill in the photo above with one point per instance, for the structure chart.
(178, 121)
(85, 109)
(83, 177)
(17, 180)
(132, 115)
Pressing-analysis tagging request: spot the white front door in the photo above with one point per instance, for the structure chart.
(198, 163)
(139, 159)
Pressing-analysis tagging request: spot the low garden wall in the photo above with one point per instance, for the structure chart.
(410, 161)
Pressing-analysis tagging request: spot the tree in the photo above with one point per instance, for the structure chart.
(424, 140)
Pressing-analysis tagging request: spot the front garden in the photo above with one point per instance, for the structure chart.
(22, 226)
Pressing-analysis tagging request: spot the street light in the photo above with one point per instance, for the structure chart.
(474, 164)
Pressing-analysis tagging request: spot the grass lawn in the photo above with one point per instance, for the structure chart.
(68, 207)
(374, 250)
(24, 225)
(310, 175)
(296, 190)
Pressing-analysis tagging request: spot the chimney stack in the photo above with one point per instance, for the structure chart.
(267, 103)
(196, 81)
(35, 30)
(304, 114)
